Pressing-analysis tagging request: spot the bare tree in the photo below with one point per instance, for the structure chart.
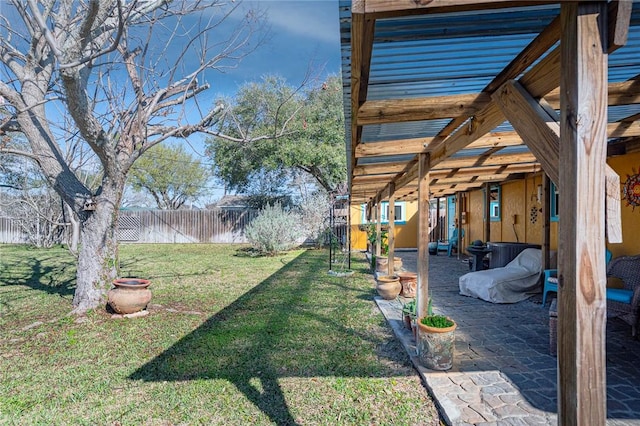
(128, 75)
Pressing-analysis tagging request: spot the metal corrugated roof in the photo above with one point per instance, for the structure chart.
(451, 54)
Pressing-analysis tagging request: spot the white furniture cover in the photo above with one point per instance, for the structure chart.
(510, 284)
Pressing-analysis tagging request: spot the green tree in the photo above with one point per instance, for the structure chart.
(303, 131)
(170, 175)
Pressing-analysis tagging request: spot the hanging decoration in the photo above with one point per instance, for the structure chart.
(631, 189)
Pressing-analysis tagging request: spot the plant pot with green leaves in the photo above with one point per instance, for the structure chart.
(409, 313)
(436, 340)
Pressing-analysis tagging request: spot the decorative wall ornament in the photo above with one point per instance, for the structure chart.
(631, 189)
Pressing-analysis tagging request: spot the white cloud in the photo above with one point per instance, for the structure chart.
(315, 20)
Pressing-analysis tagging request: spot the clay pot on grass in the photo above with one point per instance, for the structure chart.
(129, 295)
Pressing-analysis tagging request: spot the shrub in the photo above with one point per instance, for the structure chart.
(274, 230)
(315, 217)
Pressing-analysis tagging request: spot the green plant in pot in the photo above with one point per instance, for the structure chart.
(436, 340)
(409, 313)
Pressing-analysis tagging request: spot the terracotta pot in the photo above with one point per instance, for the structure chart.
(388, 286)
(435, 346)
(129, 295)
(409, 283)
(397, 263)
(382, 263)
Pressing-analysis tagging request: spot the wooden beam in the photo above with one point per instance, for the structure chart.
(619, 20)
(372, 179)
(378, 168)
(622, 129)
(362, 30)
(392, 8)
(487, 211)
(538, 129)
(423, 235)
(541, 44)
(541, 132)
(546, 222)
(582, 396)
(525, 157)
(459, 217)
(621, 93)
(392, 229)
(415, 109)
(498, 177)
(378, 215)
(537, 80)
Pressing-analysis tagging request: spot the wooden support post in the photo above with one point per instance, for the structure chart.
(392, 227)
(487, 212)
(582, 396)
(349, 232)
(423, 235)
(438, 221)
(378, 214)
(459, 217)
(546, 222)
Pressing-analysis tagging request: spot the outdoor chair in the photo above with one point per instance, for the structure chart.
(551, 279)
(624, 302)
(452, 243)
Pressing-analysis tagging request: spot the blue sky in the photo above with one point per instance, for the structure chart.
(303, 33)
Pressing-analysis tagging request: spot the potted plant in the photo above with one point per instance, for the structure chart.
(409, 313)
(436, 340)
(379, 263)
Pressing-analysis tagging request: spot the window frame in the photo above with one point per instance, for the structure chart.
(495, 207)
(384, 213)
(554, 201)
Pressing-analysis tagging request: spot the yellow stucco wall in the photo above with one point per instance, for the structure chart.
(406, 234)
(519, 198)
(520, 213)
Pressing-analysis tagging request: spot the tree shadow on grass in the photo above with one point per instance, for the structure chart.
(296, 323)
(48, 274)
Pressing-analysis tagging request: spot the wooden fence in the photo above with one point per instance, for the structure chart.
(11, 231)
(164, 226)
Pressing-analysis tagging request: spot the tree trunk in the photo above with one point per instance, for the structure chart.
(98, 256)
(73, 236)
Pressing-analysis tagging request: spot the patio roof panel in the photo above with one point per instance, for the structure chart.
(429, 55)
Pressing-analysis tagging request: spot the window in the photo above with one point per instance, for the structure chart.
(399, 217)
(554, 203)
(494, 203)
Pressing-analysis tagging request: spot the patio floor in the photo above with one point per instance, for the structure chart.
(503, 372)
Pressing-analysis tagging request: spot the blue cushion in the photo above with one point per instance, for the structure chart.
(619, 295)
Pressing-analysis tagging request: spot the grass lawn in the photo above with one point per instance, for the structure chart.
(231, 339)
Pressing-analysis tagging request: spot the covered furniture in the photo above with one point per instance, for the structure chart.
(624, 302)
(503, 252)
(510, 284)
